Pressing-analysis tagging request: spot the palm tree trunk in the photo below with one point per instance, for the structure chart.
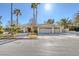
(34, 21)
(36, 15)
(17, 20)
(11, 14)
(0, 22)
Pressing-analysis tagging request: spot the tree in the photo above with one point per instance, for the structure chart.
(64, 22)
(76, 20)
(50, 21)
(1, 28)
(17, 12)
(34, 6)
(34, 27)
(37, 10)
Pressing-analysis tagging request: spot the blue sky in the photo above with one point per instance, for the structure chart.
(56, 11)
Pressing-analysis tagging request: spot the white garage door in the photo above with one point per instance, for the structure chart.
(46, 31)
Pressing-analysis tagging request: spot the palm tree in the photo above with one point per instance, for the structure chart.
(34, 22)
(37, 10)
(34, 6)
(64, 23)
(17, 12)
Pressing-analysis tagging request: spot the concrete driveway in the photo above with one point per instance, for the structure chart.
(46, 45)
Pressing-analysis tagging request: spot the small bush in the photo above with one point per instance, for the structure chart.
(36, 31)
(1, 31)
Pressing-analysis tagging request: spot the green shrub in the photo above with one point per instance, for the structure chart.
(18, 30)
(1, 31)
(36, 31)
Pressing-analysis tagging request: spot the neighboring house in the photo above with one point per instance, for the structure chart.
(45, 28)
(74, 26)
